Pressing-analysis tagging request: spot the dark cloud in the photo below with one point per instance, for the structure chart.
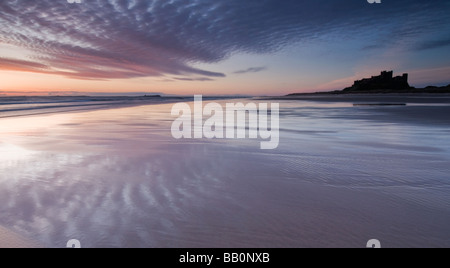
(433, 44)
(251, 70)
(104, 39)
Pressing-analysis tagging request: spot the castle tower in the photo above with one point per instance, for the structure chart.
(389, 75)
(385, 75)
(405, 78)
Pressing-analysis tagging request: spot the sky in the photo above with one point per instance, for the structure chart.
(218, 47)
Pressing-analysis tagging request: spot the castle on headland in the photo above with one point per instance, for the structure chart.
(385, 81)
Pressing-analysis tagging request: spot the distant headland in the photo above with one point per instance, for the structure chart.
(383, 84)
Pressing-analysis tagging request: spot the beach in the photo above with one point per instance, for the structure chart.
(342, 175)
(9, 239)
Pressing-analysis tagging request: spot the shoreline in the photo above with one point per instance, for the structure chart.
(107, 105)
(81, 108)
(416, 98)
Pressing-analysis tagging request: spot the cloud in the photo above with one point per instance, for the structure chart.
(21, 65)
(422, 77)
(106, 39)
(251, 70)
(433, 44)
(201, 79)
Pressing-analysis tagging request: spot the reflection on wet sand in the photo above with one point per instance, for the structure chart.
(8, 239)
(116, 178)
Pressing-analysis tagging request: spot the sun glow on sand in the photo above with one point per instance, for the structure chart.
(11, 152)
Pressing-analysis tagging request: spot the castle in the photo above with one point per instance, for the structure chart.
(385, 81)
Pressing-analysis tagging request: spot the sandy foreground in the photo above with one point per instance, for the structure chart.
(9, 239)
(342, 175)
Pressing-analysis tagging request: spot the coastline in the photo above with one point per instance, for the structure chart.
(417, 98)
(48, 108)
(53, 106)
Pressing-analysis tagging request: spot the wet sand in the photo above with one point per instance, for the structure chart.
(372, 98)
(341, 176)
(8, 239)
(424, 109)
